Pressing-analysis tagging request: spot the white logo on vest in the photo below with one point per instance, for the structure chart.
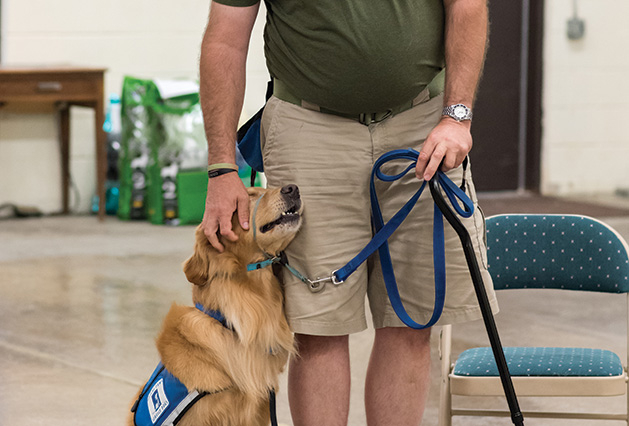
(157, 401)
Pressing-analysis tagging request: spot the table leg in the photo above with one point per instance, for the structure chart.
(101, 151)
(63, 111)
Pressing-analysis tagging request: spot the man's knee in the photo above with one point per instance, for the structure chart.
(404, 336)
(314, 346)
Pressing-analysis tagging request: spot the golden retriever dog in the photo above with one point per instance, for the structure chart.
(237, 363)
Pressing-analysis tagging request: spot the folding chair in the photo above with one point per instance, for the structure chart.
(561, 252)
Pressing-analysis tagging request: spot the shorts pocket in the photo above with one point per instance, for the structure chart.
(268, 126)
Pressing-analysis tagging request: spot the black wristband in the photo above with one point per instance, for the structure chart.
(219, 172)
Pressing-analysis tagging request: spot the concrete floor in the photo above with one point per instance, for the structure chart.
(82, 301)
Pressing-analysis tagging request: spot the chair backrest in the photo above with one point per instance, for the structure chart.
(556, 251)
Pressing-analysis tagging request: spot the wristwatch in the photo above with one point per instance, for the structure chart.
(459, 112)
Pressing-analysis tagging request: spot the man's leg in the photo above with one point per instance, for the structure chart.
(319, 381)
(398, 377)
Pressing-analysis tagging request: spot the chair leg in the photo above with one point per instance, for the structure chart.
(445, 410)
(445, 398)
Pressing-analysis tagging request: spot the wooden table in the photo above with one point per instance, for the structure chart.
(63, 86)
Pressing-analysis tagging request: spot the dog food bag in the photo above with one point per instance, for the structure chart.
(180, 148)
(137, 133)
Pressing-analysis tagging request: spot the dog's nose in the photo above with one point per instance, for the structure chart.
(292, 190)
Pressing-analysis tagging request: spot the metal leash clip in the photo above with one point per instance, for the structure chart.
(317, 285)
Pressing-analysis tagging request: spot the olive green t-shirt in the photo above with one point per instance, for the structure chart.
(353, 56)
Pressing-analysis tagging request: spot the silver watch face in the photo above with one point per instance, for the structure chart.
(460, 111)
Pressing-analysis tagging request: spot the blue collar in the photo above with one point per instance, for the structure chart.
(217, 315)
(277, 259)
(263, 263)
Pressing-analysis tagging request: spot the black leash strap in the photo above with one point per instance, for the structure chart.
(483, 301)
(273, 408)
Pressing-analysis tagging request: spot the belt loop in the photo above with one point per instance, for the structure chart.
(374, 117)
(365, 119)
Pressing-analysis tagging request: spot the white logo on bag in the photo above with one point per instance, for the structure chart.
(157, 400)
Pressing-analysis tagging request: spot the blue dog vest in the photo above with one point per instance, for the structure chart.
(163, 400)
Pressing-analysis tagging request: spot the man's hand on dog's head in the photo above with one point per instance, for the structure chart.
(226, 194)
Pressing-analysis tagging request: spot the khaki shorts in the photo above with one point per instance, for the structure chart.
(330, 159)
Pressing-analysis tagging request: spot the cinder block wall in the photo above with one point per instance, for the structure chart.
(585, 145)
(144, 38)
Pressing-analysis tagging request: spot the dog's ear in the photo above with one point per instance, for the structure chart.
(196, 269)
(206, 262)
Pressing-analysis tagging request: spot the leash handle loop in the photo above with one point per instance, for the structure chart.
(385, 230)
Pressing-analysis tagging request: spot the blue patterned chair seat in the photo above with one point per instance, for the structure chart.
(539, 361)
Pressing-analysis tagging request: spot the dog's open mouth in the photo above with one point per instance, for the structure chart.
(289, 216)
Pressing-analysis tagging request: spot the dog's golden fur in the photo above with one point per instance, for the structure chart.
(242, 365)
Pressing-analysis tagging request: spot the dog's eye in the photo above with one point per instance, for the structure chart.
(267, 227)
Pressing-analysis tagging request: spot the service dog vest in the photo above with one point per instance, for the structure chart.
(163, 400)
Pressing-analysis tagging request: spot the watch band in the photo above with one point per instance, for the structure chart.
(459, 112)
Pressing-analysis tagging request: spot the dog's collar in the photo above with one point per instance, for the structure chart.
(281, 259)
(264, 263)
(217, 315)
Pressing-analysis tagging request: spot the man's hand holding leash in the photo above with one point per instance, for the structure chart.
(450, 141)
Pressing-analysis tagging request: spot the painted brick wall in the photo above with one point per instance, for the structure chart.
(585, 145)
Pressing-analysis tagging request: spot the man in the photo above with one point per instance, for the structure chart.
(353, 79)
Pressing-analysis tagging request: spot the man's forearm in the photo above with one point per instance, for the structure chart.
(223, 63)
(222, 89)
(222, 80)
(465, 43)
(465, 39)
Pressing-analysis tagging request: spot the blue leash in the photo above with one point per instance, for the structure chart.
(384, 231)
(438, 185)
